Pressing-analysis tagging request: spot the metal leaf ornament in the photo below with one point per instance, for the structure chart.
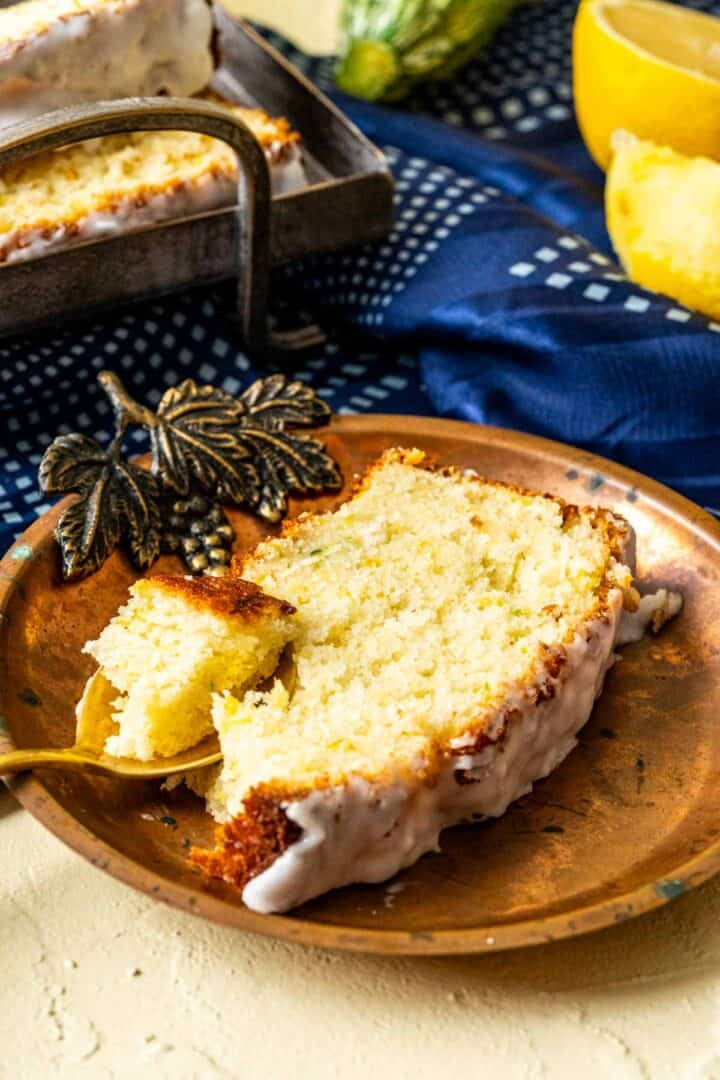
(194, 443)
(284, 462)
(116, 501)
(205, 443)
(274, 402)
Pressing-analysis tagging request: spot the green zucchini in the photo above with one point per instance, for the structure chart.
(389, 45)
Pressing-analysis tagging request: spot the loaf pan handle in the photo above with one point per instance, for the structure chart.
(78, 122)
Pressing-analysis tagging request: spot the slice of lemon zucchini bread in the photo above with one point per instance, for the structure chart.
(63, 52)
(451, 637)
(174, 643)
(114, 184)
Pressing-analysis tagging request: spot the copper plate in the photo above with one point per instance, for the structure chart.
(629, 821)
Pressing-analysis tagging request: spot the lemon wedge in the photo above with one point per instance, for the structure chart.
(662, 210)
(647, 67)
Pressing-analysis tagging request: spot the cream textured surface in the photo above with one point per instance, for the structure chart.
(310, 24)
(101, 982)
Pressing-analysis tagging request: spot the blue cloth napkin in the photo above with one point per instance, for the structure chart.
(495, 299)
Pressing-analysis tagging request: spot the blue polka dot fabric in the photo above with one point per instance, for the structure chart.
(496, 298)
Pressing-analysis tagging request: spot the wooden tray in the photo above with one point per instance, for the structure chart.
(629, 821)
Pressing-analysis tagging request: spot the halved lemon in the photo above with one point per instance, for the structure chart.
(647, 67)
(661, 211)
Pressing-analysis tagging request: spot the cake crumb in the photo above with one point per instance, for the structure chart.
(392, 891)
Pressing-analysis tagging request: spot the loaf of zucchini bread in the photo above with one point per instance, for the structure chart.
(65, 52)
(112, 185)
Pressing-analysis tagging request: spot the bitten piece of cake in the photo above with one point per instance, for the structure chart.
(177, 641)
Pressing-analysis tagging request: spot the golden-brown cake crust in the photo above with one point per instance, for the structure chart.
(224, 596)
(247, 845)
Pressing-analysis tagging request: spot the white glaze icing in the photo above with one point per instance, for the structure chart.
(206, 194)
(653, 611)
(135, 48)
(365, 832)
(287, 174)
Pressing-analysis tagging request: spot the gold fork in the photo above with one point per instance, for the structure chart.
(94, 725)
